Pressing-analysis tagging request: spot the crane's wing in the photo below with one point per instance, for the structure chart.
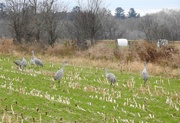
(144, 75)
(38, 62)
(58, 74)
(32, 62)
(111, 77)
(24, 62)
(17, 62)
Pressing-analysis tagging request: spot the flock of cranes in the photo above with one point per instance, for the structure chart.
(22, 64)
(35, 61)
(59, 74)
(112, 78)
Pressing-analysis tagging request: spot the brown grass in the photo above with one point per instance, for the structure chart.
(100, 51)
(6, 46)
(162, 62)
(59, 50)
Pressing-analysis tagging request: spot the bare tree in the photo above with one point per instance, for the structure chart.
(109, 29)
(32, 20)
(147, 24)
(173, 23)
(17, 18)
(52, 19)
(36, 20)
(88, 21)
(162, 25)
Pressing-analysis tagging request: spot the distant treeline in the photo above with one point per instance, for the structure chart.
(32, 20)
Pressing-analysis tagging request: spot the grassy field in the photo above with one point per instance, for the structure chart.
(84, 95)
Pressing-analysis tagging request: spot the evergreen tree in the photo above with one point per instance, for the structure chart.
(76, 9)
(132, 13)
(120, 13)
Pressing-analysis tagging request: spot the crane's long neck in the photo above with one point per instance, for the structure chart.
(63, 66)
(23, 56)
(145, 65)
(33, 54)
(106, 71)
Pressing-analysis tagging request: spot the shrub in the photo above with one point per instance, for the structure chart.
(60, 50)
(165, 56)
(6, 46)
(100, 50)
(168, 56)
(146, 51)
(124, 54)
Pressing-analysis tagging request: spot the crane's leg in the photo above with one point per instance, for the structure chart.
(110, 86)
(37, 67)
(59, 82)
(114, 84)
(145, 82)
(22, 68)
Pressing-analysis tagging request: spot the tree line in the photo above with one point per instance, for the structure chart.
(48, 20)
(119, 13)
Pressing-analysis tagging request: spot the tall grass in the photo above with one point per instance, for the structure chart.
(163, 61)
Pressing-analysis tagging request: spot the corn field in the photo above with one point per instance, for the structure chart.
(85, 95)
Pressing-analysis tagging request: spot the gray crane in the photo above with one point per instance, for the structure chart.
(32, 62)
(59, 74)
(23, 62)
(18, 63)
(37, 61)
(144, 74)
(110, 76)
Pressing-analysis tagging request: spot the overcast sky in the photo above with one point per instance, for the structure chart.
(141, 6)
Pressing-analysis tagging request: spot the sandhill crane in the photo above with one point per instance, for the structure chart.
(32, 62)
(59, 74)
(37, 61)
(110, 76)
(144, 74)
(18, 63)
(23, 62)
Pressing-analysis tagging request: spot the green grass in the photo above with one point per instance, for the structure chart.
(84, 96)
